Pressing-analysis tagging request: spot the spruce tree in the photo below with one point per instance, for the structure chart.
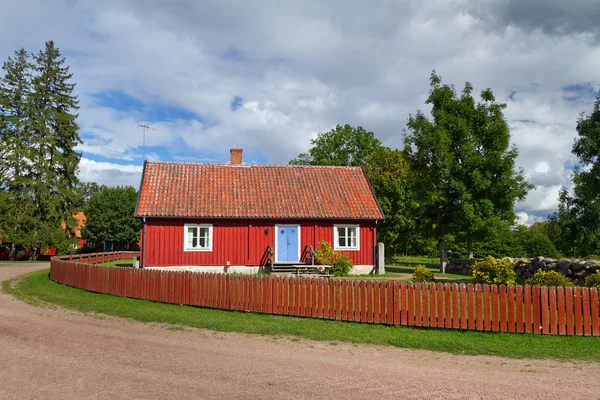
(15, 169)
(38, 136)
(55, 134)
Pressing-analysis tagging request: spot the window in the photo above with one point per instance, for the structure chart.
(346, 237)
(198, 238)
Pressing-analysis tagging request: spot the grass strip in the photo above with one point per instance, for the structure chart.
(38, 289)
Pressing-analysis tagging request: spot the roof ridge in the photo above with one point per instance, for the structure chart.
(253, 165)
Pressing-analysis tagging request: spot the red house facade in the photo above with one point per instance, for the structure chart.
(212, 215)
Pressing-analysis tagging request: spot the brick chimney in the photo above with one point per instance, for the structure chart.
(236, 156)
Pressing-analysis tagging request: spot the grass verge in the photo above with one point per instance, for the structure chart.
(415, 259)
(118, 263)
(38, 289)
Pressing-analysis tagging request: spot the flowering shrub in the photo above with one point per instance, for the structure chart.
(593, 280)
(494, 271)
(422, 274)
(341, 264)
(548, 278)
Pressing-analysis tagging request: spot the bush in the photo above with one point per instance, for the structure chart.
(422, 274)
(86, 250)
(494, 271)
(540, 245)
(341, 264)
(593, 280)
(548, 278)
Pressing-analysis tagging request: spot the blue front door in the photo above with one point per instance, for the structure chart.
(288, 243)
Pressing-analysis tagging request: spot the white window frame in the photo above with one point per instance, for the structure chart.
(185, 237)
(336, 245)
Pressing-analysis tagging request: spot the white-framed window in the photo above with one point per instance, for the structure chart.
(197, 237)
(346, 237)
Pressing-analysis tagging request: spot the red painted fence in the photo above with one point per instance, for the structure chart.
(522, 309)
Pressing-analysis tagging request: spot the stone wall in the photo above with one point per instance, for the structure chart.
(575, 269)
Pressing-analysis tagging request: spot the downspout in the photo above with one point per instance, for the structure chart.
(144, 243)
(375, 246)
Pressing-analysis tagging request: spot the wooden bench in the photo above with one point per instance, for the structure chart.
(321, 270)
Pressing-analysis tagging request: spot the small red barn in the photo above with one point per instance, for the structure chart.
(212, 215)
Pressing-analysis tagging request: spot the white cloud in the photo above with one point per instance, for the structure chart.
(105, 173)
(303, 67)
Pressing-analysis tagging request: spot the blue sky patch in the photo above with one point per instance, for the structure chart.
(579, 91)
(119, 100)
(236, 103)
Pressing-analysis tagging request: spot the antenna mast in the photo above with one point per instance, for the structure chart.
(144, 129)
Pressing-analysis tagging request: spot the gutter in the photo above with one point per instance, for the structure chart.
(144, 242)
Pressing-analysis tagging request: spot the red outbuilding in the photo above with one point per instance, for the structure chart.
(213, 215)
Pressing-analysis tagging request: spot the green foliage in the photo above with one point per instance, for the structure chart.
(341, 146)
(593, 280)
(494, 271)
(548, 278)
(576, 224)
(422, 274)
(109, 216)
(86, 250)
(540, 245)
(340, 263)
(38, 136)
(389, 175)
(465, 176)
(85, 190)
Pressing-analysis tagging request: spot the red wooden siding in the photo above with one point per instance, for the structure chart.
(451, 306)
(241, 242)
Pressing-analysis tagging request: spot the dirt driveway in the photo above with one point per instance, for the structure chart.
(59, 354)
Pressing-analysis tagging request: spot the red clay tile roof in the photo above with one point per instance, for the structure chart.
(255, 191)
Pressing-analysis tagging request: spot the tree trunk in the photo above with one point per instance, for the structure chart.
(470, 247)
(443, 256)
(33, 254)
(12, 255)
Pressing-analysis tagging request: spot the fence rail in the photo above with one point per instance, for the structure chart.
(520, 309)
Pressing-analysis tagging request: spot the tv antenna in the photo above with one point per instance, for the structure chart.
(144, 129)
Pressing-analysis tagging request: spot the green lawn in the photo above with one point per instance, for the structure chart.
(436, 272)
(414, 259)
(118, 263)
(36, 288)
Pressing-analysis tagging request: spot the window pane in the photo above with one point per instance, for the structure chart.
(353, 242)
(341, 232)
(192, 237)
(203, 242)
(342, 241)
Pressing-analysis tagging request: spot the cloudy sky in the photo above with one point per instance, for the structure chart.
(268, 75)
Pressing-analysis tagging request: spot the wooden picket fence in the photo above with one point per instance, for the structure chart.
(520, 309)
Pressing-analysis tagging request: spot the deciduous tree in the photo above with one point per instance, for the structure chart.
(576, 225)
(109, 216)
(344, 145)
(463, 163)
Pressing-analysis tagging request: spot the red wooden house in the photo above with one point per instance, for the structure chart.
(213, 215)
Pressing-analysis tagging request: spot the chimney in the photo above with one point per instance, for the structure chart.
(236, 156)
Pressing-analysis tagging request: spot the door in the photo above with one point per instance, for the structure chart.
(288, 243)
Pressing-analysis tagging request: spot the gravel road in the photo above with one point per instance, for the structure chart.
(60, 354)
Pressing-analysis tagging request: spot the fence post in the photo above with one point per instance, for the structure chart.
(380, 258)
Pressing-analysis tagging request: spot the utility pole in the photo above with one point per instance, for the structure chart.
(144, 129)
